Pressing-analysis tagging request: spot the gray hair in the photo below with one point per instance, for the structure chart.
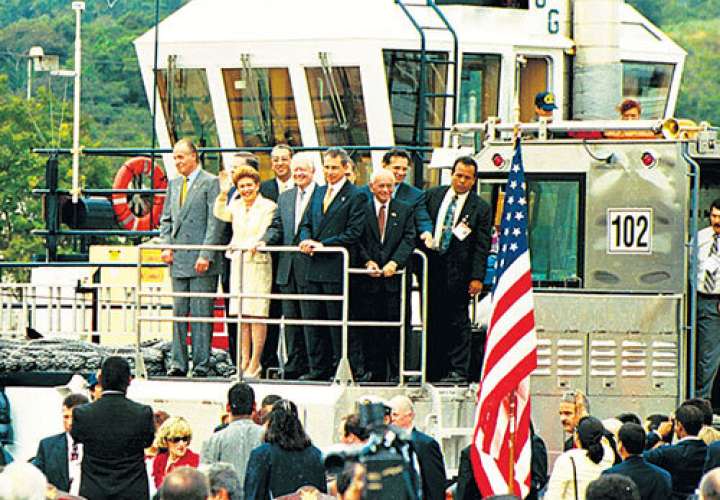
(22, 481)
(569, 397)
(337, 152)
(222, 476)
(381, 173)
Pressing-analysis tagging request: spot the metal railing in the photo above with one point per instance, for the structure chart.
(343, 374)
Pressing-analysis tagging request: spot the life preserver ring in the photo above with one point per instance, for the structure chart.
(136, 167)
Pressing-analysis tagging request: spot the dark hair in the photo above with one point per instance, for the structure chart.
(628, 104)
(184, 483)
(399, 152)
(284, 427)
(115, 374)
(241, 398)
(590, 432)
(704, 406)
(282, 145)
(222, 476)
(468, 161)
(628, 417)
(715, 204)
(352, 426)
(612, 487)
(270, 399)
(655, 420)
(632, 437)
(690, 417)
(336, 152)
(73, 400)
(249, 158)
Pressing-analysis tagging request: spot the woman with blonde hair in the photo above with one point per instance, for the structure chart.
(173, 436)
(250, 214)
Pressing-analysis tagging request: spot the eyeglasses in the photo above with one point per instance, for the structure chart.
(177, 439)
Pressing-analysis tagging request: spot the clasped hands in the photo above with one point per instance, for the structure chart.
(387, 271)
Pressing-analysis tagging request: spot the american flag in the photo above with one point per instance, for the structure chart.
(501, 441)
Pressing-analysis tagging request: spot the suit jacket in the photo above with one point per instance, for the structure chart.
(397, 246)
(712, 456)
(340, 226)
(52, 460)
(653, 482)
(432, 465)
(282, 232)
(467, 488)
(114, 432)
(684, 461)
(465, 260)
(410, 195)
(193, 224)
(269, 189)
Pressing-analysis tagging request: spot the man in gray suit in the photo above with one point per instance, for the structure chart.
(188, 219)
(292, 268)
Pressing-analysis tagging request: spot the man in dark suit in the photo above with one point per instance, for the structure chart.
(387, 241)
(292, 267)
(653, 482)
(280, 158)
(188, 218)
(114, 432)
(432, 464)
(461, 242)
(59, 456)
(684, 460)
(334, 218)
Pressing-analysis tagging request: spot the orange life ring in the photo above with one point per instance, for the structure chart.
(136, 167)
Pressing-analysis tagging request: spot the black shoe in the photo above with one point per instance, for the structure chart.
(453, 378)
(316, 376)
(199, 373)
(176, 372)
(364, 377)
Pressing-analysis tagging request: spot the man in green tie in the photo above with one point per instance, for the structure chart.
(456, 261)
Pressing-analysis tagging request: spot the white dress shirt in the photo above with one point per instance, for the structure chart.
(301, 202)
(74, 460)
(705, 262)
(284, 186)
(440, 221)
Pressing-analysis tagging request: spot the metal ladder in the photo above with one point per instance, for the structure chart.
(422, 94)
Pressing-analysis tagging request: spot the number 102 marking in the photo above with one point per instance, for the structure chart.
(629, 230)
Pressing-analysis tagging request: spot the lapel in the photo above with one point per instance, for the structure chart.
(435, 202)
(194, 188)
(468, 208)
(392, 218)
(62, 453)
(338, 201)
(372, 217)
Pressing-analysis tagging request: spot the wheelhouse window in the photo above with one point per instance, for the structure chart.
(339, 111)
(649, 83)
(479, 87)
(554, 227)
(262, 110)
(534, 78)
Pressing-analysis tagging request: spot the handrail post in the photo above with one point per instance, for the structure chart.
(424, 307)
(140, 370)
(344, 374)
(401, 354)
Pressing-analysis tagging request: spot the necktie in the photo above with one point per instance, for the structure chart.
(327, 199)
(710, 281)
(381, 221)
(298, 208)
(74, 453)
(448, 224)
(183, 193)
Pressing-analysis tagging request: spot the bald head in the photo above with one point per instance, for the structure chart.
(403, 412)
(710, 485)
(185, 483)
(382, 184)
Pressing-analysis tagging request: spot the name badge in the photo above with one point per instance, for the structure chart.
(461, 231)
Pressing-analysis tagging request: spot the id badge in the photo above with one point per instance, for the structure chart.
(461, 231)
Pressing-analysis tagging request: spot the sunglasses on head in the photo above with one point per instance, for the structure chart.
(177, 439)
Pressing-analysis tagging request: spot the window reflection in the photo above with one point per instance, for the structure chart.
(262, 109)
(479, 87)
(339, 111)
(648, 83)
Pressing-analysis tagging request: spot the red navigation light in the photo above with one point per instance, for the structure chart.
(648, 159)
(498, 160)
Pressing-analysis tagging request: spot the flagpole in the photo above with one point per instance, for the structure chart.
(512, 406)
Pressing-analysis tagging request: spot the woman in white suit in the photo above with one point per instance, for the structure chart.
(250, 215)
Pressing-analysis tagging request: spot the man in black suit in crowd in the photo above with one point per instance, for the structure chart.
(59, 456)
(432, 464)
(387, 241)
(684, 460)
(280, 158)
(114, 432)
(292, 267)
(334, 218)
(653, 482)
(461, 242)
(240, 159)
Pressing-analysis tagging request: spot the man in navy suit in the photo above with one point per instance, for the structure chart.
(461, 241)
(59, 456)
(280, 158)
(427, 449)
(653, 482)
(387, 241)
(334, 218)
(292, 267)
(684, 460)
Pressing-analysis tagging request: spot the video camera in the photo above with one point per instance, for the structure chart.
(388, 458)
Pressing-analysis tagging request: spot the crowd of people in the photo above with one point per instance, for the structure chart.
(114, 448)
(379, 224)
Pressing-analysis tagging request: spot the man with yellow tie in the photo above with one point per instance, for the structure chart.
(335, 217)
(188, 219)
